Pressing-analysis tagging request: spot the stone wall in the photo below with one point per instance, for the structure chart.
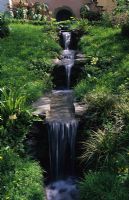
(56, 5)
(72, 5)
(108, 5)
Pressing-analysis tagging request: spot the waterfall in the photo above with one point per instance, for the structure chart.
(68, 62)
(68, 57)
(62, 130)
(62, 145)
(67, 39)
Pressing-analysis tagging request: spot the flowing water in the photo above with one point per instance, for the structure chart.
(67, 39)
(68, 62)
(68, 57)
(62, 129)
(62, 146)
(63, 190)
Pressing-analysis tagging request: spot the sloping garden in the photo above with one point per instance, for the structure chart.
(27, 50)
(26, 62)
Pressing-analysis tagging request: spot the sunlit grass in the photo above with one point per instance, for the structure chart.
(25, 45)
(104, 43)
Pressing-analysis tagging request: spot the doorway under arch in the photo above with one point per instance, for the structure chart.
(63, 14)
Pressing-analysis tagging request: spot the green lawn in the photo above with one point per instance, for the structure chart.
(26, 59)
(108, 60)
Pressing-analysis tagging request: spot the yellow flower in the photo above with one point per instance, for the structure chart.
(94, 60)
(7, 198)
(1, 158)
(13, 117)
(126, 170)
(128, 153)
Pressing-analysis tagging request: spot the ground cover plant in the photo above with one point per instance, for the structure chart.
(21, 178)
(26, 59)
(4, 28)
(26, 63)
(103, 87)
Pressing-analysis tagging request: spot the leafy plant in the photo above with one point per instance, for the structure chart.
(101, 147)
(125, 30)
(87, 13)
(32, 66)
(15, 119)
(122, 6)
(84, 10)
(104, 186)
(21, 178)
(37, 11)
(4, 28)
(80, 24)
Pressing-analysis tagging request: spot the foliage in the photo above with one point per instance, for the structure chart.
(105, 147)
(118, 17)
(114, 19)
(86, 13)
(15, 119)
(36, 11)
(104, 186)
(100, 107)
(104, 87)
(122, 6)
(107, 60)
(20, 178)
(125, 30)
(80, 25)
(4, 28)
(26, 75)
(30, 51)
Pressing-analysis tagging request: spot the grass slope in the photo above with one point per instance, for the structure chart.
(108, 59)
(26, 59)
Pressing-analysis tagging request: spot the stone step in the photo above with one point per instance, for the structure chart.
(61, 106)
(47, 106)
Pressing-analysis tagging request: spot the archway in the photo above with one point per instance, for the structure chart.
(63, 14)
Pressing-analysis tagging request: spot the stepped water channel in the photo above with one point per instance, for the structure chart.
(62, 129)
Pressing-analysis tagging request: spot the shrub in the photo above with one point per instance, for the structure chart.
(80, 24)
(93, 16)
(86, 13)
(103, 186)
(20, 178)
(15, 119)
(107, 145)
(125, 30)
(114, 19)
(102, 146)
(36, 11)
(106, 123)
(122, 6)
(101, 107)
(4, 28)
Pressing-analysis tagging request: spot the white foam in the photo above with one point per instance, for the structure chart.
(62, 190)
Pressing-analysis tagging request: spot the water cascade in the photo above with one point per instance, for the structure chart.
(62, 129)
(68, 56)
(67, 39)
(62, 141)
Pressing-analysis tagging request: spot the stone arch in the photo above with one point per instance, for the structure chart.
(63, 13)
